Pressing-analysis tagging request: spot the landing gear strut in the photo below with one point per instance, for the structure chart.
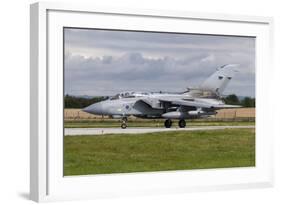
(124, 123)
(182, 123)
(168, 123)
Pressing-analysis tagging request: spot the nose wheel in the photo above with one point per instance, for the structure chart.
(168, 123)
(124, 123)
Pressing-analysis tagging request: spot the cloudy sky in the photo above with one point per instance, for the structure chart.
(106, 62)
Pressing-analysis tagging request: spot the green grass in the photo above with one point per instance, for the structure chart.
(179, 150)
(147, 123)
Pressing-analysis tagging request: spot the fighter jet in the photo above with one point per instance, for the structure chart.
(199, 102)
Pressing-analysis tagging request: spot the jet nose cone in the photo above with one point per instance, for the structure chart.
(94, 109)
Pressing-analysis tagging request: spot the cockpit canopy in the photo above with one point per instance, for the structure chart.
(129, 95)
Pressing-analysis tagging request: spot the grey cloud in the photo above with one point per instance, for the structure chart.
(178, 61)
(134, 72)
(170, 44)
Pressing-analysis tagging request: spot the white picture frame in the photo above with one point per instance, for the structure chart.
(47, 182)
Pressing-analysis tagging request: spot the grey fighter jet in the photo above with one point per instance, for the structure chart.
(199, 102)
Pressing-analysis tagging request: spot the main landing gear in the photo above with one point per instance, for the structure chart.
(124, 123)
(182, 123)
(168, 123)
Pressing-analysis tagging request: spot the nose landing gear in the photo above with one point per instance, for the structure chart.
(124, 123)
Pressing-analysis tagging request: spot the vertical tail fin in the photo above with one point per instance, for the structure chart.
(218, 81)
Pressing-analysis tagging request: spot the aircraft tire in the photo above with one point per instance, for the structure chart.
(182, 123)
(168, 123)
(123, 125)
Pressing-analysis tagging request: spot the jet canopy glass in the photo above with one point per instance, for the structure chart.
(129, 95)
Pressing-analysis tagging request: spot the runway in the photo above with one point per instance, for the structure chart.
(134, 130)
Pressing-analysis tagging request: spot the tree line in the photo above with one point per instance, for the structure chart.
(81, 102)
(234, 100)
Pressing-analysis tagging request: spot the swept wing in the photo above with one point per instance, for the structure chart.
(199, 104)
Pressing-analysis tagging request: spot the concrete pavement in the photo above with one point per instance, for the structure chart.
(134, 130)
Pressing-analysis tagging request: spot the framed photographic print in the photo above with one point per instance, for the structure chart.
(130, 102)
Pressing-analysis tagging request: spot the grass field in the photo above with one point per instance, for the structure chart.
(123, 153)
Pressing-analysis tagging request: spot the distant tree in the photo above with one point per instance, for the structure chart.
(248, 102)
(231, 99)
(245, 102)
(80, 102)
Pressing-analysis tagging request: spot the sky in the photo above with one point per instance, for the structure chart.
(107, 62)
